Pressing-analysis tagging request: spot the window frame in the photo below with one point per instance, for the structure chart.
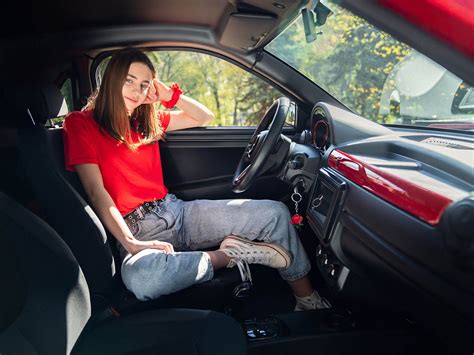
(93, 74)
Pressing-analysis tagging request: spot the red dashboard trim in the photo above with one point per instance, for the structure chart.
(414, 199)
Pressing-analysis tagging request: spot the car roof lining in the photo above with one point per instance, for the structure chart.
(89, 27)
(218, 16)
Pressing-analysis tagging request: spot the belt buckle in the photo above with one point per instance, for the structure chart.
(139, 213)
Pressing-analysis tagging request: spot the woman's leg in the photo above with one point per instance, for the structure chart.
(219, 259)
(301, 287)
(152, 273)
(207, 222)
(203, 224)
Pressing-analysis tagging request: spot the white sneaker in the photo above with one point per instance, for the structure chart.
(268, 254)
(311, 302)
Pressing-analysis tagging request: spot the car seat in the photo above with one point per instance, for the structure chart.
(41, 161)
(46, 307)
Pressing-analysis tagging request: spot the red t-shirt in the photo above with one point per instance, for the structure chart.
(130, 177)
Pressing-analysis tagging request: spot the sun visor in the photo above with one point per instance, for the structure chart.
(246, 31)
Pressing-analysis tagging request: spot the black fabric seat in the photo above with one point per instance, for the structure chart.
(45, 306)
(41, 160)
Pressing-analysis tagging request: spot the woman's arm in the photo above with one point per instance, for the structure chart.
(192, 113)
(104, 206)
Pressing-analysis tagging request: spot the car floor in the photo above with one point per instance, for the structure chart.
(345, 329)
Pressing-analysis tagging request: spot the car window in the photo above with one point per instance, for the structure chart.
(374, 74)
(66, 91)
(236, 97)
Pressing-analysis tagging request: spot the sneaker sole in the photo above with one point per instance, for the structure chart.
(273, 246)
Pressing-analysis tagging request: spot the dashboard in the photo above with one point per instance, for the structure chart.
(393, 208)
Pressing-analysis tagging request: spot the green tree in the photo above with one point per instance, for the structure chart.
(350, 59)
(236, 97)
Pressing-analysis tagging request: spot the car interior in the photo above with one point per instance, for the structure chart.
(388, 207)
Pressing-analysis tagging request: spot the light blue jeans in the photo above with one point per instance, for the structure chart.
(202, 224)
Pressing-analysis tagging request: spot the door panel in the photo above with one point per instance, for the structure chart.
(200, 163)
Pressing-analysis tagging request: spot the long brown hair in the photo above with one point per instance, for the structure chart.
(109, 108)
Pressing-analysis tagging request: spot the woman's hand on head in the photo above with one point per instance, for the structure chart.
(138, 245)
(164, 91)
(158, 91)
(152, 95)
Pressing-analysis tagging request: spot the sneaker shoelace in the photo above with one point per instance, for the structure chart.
(244, 269)
(252, 257)
(324, 303)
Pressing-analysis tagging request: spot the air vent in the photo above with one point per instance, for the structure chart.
(448, 143)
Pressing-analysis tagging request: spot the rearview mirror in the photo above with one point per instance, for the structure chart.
(322, 12)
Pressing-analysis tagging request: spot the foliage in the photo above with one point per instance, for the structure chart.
(350, 59)
(236, 97)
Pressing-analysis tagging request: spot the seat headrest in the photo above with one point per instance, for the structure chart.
(33, 104)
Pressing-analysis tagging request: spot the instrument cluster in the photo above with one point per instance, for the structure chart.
(320, 130)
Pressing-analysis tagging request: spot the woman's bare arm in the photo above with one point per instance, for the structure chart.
(191, 112)
(104, 206)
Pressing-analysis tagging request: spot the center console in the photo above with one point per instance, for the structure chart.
(293, 324)
(328, 331)
(325, 206)
(325, 203)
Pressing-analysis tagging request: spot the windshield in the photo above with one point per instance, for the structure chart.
(375, 75)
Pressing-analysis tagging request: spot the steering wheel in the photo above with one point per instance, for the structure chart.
(261, 145)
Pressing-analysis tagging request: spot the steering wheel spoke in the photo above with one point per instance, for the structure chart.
(244, 172)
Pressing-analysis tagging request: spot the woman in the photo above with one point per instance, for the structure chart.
(111, 145)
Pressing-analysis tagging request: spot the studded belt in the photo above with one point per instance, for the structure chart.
(139, 213)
